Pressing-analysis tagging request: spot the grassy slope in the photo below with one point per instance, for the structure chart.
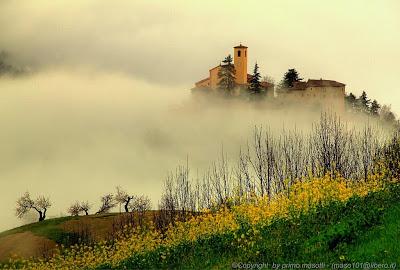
(48, 228)
(362, 230)
(381, 243)
(52, 228)
(60, 231)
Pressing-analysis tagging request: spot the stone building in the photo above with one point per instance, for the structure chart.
(326, 93)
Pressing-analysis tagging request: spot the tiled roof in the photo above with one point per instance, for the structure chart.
(324, 83)
(215, 67)
(316, 83)
(203, 80)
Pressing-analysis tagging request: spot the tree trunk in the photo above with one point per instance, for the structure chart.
(41, 216)
(126, 206)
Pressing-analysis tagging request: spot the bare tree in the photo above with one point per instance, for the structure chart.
(123, 197)
(107, 203)
(75, 209)
(85, 207)
(25, 204)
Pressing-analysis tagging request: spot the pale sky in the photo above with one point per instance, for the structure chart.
(107, 103)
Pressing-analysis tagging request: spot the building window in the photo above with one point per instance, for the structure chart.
(239, 53)
(245, 53)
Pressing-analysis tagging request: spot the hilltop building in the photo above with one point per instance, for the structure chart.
(242, 78)
(320, 92)
(327, 93)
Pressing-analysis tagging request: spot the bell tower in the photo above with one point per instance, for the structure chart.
(240, 62)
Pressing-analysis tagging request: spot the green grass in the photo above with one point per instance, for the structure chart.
(51, 228)
(47, 228)
(382, 243)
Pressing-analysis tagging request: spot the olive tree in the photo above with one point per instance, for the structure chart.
(107, 203)
(123, 197)
(25, 203)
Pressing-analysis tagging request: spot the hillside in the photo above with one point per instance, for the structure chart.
(362, 231)
(329, 220)
(40, 238)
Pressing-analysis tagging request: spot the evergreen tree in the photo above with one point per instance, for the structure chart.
(227, 75)
(363, 102)
(351, 98)
(289, 78)
(374, 109)
(255, 84)
(351, 101)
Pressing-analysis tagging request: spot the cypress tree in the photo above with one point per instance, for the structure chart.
(351, 101)
(363, 102)
(226, 75)
(255, 84)
(374, 109)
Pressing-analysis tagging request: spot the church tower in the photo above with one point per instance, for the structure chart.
(240, 62)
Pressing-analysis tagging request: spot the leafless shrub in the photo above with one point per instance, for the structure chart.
(273, 162)
(79, 232)
(140, 205)
(45, 250)
(121, 225)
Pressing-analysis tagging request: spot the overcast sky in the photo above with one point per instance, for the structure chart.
(176, 42)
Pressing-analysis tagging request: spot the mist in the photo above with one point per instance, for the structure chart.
(107, 100)
(76, 135)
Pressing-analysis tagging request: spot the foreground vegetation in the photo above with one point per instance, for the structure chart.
(322, 219)
(335, 232)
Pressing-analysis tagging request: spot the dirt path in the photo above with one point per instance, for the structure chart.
(24, 244)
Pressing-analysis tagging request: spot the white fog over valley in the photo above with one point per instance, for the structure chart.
(106, 100)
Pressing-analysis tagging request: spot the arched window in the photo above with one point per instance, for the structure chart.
(238, 53)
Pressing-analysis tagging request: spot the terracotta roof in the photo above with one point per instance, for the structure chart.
(324, 83)
(316, 83)
(203, 80)
(215, 67)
